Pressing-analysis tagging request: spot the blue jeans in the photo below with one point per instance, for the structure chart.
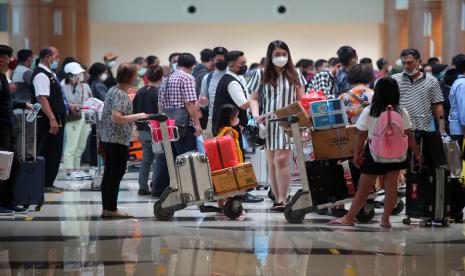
(145, 139)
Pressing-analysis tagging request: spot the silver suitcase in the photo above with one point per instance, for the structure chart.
(194, 178)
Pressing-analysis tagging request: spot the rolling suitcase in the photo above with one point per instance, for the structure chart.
(194, 178)
(428, 196)
(29, 188)
(221, 152)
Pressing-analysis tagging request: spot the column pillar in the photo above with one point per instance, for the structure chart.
(395, 30)
(453, 29)
(425, 27)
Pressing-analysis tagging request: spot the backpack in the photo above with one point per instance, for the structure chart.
(389, 143)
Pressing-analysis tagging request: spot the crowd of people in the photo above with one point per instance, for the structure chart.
(218, 96)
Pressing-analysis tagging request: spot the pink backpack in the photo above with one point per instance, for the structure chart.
(389, 143)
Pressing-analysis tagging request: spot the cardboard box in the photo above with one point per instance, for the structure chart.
(6, 159)
(241, 177)
(294, 108)
(224, 181)
(336, 143)
(245, 176)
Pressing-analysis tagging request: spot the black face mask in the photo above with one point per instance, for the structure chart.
(242, 70)
(221, 65)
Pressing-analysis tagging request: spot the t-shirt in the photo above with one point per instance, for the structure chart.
(366, 122)
(111, 132)
(146, 100)
(417, 96)
(78, 94)
(238, 91)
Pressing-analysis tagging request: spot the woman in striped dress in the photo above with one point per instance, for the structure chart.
(279, 85)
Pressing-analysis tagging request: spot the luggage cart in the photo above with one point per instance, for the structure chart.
(301, 203)
(173, 199)
(92, 118)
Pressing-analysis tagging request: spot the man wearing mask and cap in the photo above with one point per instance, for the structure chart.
(110, 62)
(51, 118)
(210, 83)
(232, 89)
(7, 135)
(421, 95)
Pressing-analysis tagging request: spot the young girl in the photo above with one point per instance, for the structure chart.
(229, 119)
(386, 93)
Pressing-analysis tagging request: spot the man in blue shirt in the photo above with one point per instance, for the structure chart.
(457, 102)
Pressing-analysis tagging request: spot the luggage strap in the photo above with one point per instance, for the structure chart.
(219, 153)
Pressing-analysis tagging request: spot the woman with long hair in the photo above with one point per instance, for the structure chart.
(386, 94)
(279, 86)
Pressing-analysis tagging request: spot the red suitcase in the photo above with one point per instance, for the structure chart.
(221, 153)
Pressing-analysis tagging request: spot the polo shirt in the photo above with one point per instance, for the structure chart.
(418, 96)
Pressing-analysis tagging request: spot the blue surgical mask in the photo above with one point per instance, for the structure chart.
(54, 65)
(174, 66)
(141, 72)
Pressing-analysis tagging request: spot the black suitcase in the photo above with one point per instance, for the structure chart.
(326, 180)
(29, 188)
(457, 199)
(428, 196)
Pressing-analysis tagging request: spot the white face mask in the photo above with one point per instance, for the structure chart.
(280, 61)
(412, 73)
(104, 77)
(79, 77)
(112, 63)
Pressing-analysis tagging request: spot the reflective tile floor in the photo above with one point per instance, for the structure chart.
(69, 238)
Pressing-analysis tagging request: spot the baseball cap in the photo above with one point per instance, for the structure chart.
(73, 68)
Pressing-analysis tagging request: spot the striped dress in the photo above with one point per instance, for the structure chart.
(273, 98)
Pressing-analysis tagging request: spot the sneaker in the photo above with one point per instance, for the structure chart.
(18, 210)
(6, 212)
(53, 189)
(84, 175)
(74, 176)
(143, 193)
(248, 198)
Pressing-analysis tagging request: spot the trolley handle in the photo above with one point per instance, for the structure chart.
(290, 119)
(160, 117)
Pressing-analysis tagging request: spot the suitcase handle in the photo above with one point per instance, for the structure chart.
(23, 138)
(160, 117)
(290, 119)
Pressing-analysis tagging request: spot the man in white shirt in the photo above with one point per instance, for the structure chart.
(51, 118)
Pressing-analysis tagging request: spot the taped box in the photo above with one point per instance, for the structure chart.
(238, 178)
(336, 143)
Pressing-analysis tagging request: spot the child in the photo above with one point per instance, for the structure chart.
(229, 119)
(386, 93)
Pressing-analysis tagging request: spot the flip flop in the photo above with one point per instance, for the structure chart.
(339, 222)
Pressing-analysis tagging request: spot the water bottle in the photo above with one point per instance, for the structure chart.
(33, 113)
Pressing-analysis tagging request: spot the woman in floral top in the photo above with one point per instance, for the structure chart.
(360, 96)
(115, 134)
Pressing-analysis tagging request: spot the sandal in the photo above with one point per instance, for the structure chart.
(278, 206)
(115, 214)
(339, 222)
(387, 225)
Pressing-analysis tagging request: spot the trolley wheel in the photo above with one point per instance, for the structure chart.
(294, 216)
(458, 218)
(163, 214)
(366, 214)
(271, 195)
(322, 212)
(233, 208)
(406, 221)
(398, 208)
(445, 223)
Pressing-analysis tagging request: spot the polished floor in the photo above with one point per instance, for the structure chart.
(69, 238)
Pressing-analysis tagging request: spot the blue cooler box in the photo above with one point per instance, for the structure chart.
(328, 114)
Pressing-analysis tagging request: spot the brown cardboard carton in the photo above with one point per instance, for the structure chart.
(224, 181)
(241, 177)
(334, 143)
(294, 108)
(245, 176)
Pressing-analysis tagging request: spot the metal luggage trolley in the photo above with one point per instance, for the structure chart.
(301, 203)
(92, 118)
(173, 198)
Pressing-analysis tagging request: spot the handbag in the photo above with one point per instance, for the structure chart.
(73, 116)
(181, 118)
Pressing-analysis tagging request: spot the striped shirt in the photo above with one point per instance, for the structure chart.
(273, 98)
(418, 96)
